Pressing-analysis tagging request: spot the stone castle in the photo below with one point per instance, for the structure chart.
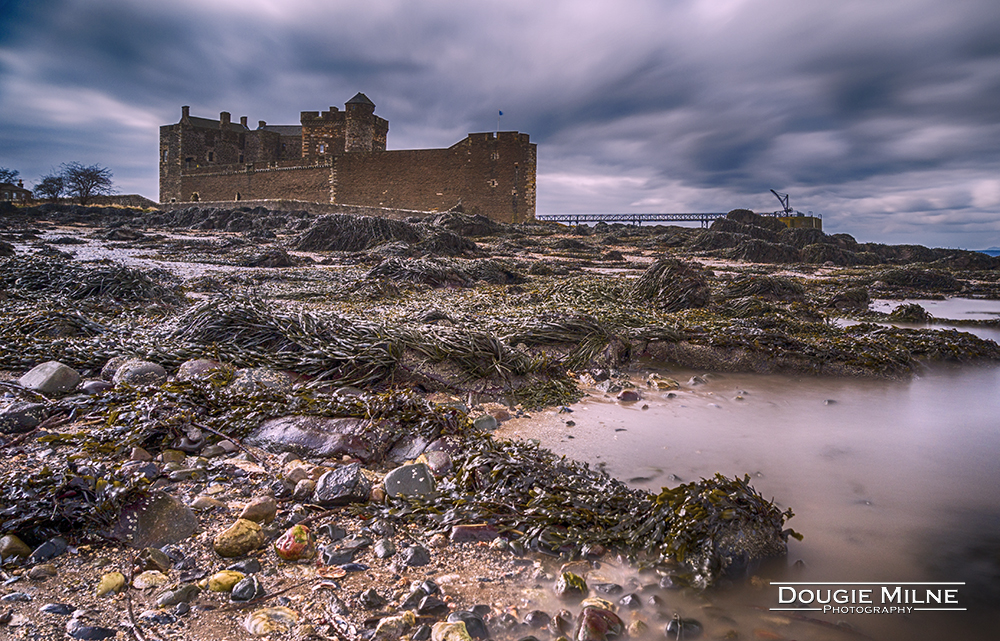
(339, 157)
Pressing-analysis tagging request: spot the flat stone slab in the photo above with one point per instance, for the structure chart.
(318, 436)
(154, 521)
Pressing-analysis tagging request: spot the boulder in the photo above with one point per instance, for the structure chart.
(51, 377)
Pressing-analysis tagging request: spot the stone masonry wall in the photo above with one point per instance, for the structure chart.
(289, 178)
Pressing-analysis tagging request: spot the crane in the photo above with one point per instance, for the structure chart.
(783, 199)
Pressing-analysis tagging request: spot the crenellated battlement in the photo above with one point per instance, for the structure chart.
(340, 157)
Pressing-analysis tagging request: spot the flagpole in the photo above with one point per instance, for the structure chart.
(499, 113)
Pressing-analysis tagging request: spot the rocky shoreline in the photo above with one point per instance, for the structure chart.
(294, 438)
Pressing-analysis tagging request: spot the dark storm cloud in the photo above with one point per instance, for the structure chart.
(882, 115)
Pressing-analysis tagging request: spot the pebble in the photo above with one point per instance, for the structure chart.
(150, 579)
(343, 485)
(450, 631)
(12, 546)
(241, 538)
(48, 550)
(537, 619)
(474, 624)
(370, 599)
(248, 589)
(153, 559)
(224, 581)
(61, 609)
(20, 417)
(198, 369)
(392, 628)
(631, 602)
(260, 509)
(246, 566)
(110, 583)
(181, 594)
(304, 490)
(629, 396)
(431, 605)
(415, 556)
(93, 388)
(384, 548)
(42, 571)
(295, 544)
(570, 586)
(486, 423)
(409, 480)
(679, 628)
(156, 617)
(274, 620)
(206, 503)
(109, 369)
(78, 630)
(137, 372)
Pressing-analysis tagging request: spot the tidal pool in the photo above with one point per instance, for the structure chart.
(889, 481)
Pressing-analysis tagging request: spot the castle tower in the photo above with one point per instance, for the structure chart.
(365, 131)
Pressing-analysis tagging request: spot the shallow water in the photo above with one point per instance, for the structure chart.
(953, 308)
(889, 481)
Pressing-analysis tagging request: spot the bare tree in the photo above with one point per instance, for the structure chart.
(8, 175)
(51, 187)
(84, 182)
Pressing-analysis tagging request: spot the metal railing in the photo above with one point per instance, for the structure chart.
(632, 219)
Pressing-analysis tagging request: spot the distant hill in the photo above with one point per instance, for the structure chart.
(992, 251)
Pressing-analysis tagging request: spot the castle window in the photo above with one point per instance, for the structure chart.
(188, 161)
(211, 156)
(496, 155)
(492, 182)
(241, 157)
(165, 154)
(322, 148)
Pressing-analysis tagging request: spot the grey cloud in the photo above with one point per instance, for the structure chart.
(873, 112)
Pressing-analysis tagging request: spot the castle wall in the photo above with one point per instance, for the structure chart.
(291, 179)
(490, 175)
(207, 160)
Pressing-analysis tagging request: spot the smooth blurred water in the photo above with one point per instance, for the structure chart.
(889, 481)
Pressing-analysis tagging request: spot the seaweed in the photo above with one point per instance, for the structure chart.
(557, 506)
(672, 285)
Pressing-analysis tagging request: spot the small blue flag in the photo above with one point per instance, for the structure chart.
(501, 113)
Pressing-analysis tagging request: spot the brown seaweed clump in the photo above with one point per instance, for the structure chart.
(671, 285)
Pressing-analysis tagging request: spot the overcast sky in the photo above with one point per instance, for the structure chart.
(881, 115)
